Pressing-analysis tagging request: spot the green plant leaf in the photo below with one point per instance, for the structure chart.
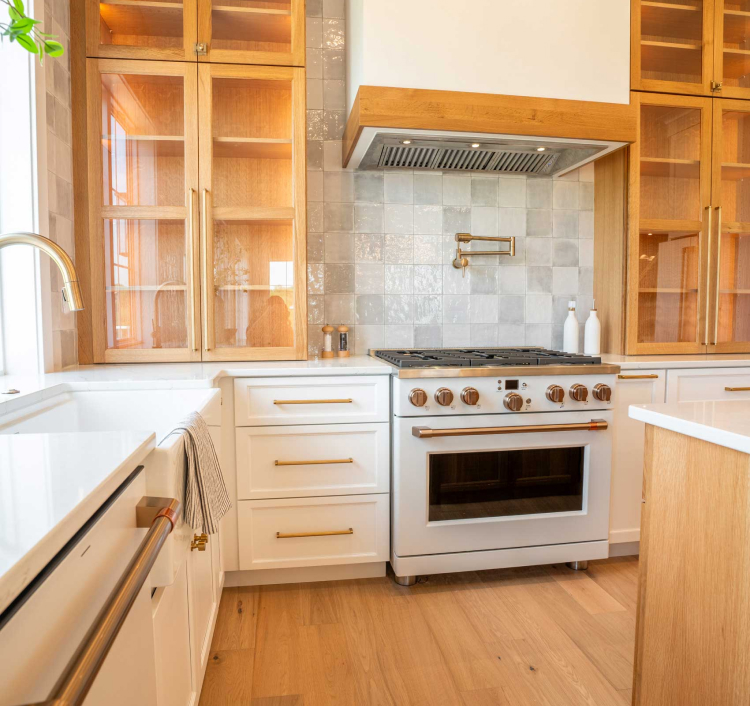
(53, 48)
(27, 43)
(23, 26)
(14, 14)
(19, 6)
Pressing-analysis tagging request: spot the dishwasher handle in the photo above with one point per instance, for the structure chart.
(160, 515)
(427, 433)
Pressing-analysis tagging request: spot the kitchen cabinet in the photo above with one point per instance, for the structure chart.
(692, 385)
(698, 47)
(633, 387)
(268, 32)
(196, 253)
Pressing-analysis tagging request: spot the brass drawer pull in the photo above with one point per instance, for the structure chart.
(737, 389)
(330, 533)
(652, 376)
(199, 542)
(427, 433)
(347, 401)
(322, 462)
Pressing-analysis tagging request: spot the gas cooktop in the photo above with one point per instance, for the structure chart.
(480, 357)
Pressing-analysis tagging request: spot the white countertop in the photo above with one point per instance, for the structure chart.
(665, 362)
(50, 485)
(721, 422)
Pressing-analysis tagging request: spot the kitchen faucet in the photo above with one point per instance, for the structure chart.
(71, 291)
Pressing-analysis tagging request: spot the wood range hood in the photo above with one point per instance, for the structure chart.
(453, 131)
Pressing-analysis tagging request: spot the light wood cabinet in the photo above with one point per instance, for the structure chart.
(269, 32)
(698, 47)
(196, 254)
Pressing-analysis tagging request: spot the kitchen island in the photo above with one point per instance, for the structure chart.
(693, 619)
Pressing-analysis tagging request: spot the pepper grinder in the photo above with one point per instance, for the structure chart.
(327, 351)
(343, 341)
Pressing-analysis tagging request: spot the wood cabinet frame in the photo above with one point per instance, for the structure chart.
(98, 212)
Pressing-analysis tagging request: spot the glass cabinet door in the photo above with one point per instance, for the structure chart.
(143, 174)
(729, 265)
(270, 32)
(142, 29)
(670, 46)
(252, 178)
(732, 48)
(670, 168)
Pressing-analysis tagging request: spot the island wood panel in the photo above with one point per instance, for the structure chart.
(422, 109)
(693, 619)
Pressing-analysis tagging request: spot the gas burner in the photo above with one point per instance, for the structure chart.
(481, 357)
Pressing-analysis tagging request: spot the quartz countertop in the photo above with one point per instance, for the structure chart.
(51, 485)
(665, 362)
(721, 422)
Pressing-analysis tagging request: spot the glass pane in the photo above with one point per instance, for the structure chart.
(670, 163)
(251, 25)
(671, 38)
(505, 483)
(252, 143)
(735, 167)
(668, 287)
(141, 23)
(146, 290)
(254, 284)
(143, 146)
(734, 288)
(736, 43)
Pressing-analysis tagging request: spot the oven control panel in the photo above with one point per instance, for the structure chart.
(415, 397)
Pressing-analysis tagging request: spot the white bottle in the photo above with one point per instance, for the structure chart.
(570, 330)
(592, 334)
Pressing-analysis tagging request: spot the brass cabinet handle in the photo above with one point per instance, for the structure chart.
(737, 389)
(199, 542)
(191, 274)
(346, 401)
(708, 274)
(427, 433)
(650, 376)
(718, 276)
(329, 533)
(313, 463)
(204, 267)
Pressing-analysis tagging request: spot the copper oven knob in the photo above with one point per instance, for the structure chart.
(469, 395)
(418, 397)
(513, 402)
(444, 397)
(555, 394)
(579, 392)
(602, 392)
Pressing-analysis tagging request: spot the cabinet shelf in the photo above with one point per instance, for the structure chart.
(149, 288)
(736, 62)
(143, 17)
(671, 57)
(736, 26)
(252, 147)
(165, 145)
(251, 24)
(734, 172)
(661, 19)
(666, 290)
(250, 288)
(667, 167)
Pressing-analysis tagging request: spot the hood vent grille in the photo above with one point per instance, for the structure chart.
(466, 159)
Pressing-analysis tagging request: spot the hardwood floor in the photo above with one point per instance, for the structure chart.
(512, 637)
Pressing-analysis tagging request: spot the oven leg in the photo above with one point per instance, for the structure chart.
(577, 565)
(405, 580)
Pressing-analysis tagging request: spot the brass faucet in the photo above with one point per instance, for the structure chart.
(71, 290)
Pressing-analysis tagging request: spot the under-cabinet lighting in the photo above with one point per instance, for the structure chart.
(540, 149)
(405, 142)
(475, 145)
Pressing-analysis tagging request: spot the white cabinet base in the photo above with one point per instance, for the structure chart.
(304, 574)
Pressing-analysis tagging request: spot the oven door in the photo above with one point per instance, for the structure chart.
(500, 481)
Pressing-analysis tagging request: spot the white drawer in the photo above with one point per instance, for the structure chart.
(286, 462)
(708, 384)
(311, 400)
(260, 521)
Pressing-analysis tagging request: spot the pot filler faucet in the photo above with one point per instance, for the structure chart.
(71, 291)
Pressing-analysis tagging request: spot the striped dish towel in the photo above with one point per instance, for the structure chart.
(206, 497)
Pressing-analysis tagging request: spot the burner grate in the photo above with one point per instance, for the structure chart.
(481, 357)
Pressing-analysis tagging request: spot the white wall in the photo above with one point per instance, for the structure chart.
(574, 49)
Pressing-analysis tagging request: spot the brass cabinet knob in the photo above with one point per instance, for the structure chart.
(555, 394)
(579, 392)
(470, 395)
(602, 392)
(513, 402)
(444, 397)
(199, 542)
(418, 397)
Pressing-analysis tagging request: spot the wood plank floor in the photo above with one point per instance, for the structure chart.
(512, 637)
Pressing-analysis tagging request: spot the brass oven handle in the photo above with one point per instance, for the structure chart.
(329, 533)
(191, 273)
(204, 267)
(313, 463)
(650, 376)
(718, 276)
(737, 389)
(708, 273)
(313, 401)
(427, 433)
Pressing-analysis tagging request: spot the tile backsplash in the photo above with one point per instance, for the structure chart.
(381, 243)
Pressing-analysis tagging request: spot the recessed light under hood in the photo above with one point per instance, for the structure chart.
(388, 148)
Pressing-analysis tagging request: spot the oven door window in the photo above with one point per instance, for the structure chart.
(505, 483)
